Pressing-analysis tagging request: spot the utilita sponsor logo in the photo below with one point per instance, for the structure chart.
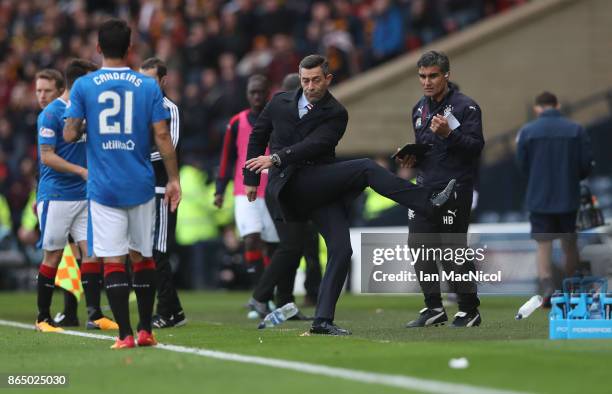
(118, 145)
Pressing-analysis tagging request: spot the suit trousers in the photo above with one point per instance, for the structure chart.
(324, 194)
(313, 263)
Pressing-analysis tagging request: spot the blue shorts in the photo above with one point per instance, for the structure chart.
(549, 226)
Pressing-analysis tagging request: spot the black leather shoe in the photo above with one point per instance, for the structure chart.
(467, 319)
(439, 199)
(299, 316)
(326, 328)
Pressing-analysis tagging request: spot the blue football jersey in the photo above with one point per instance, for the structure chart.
(119, 106)
(54, 185)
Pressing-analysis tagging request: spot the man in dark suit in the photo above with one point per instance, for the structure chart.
(305, 181)
(297, 239)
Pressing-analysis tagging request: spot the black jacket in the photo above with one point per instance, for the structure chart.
(457, 155)
(308, 141)
(555, 154)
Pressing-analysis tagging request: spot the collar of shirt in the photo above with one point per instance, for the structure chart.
(302, 103)
(551, 112)
(116, 68)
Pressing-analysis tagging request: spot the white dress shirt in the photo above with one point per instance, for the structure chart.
(303, 106)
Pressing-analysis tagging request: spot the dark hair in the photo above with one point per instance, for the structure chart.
(77, 68)
(291, 82)
(114, 38)
(434, 58)
(546, 99)
(52, 75)
(313, 61)
(153, 62)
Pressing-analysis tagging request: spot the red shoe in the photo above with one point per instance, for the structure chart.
(146, 338)
(125, 343)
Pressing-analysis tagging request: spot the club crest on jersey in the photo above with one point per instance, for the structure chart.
(47, 133)
(418, 123)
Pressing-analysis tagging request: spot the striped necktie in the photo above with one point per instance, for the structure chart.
(305, 110)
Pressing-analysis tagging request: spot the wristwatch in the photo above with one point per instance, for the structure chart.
(276, 160)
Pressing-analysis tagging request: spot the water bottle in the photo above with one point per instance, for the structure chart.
(279, 315)
(607, 301)
(594, 311)
(528, 307)
(579, 305)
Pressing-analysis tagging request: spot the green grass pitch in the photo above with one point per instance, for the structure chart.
(502, 353)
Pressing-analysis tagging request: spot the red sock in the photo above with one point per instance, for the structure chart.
(91, 278)
(145, 286)
(109, 268)
(47, 272)
(45, 286)
(252, 256)
(92, 267)
(116, 283)
(254, 264)
(144, 264)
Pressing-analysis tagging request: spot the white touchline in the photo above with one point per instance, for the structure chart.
(401, 381)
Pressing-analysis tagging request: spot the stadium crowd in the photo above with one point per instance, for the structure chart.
(211, 47)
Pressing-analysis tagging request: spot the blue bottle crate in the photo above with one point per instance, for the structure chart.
(580, 329)
(582, 311)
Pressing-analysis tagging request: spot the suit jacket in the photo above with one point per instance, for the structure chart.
(308, 141)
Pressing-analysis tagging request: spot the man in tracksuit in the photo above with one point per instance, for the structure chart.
(554, 154)
(169, 311)
(451, 122)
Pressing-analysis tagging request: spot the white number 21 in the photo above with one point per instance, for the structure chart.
(115, 99)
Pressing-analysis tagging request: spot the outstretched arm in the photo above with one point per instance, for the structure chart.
(321, 140)
(258, 141)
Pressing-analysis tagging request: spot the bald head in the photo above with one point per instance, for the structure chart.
(258, 90)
